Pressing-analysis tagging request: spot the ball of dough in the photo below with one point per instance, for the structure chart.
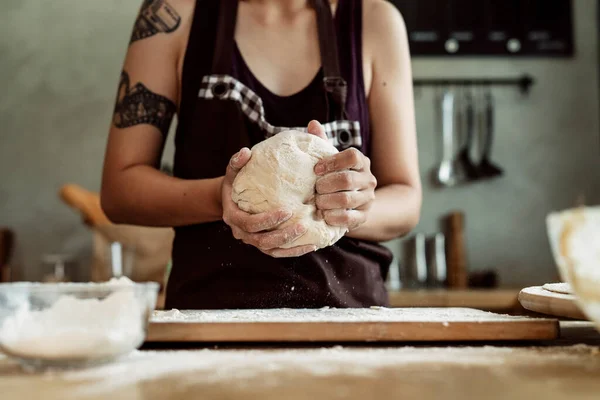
(280, 174)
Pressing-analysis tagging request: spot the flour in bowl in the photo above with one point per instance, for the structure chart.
(76, 329)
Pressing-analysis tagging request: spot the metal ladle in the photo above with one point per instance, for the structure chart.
(487, 168)
(464, 156)
(445, 173)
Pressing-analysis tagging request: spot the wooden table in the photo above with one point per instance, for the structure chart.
(566, 368)
(425, 373)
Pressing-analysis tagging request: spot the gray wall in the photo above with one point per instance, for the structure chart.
(60, 65)
(548, 143)
(61, 60)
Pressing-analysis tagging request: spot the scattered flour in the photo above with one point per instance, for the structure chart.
(373, 314)
(562, 288)
(540, 291)
(171, 315)
(76, 329)
(253, 368)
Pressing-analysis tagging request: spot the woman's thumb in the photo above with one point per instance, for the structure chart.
(237, 162)
(315, 128)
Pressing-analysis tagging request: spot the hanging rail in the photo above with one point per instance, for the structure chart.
(524, 82)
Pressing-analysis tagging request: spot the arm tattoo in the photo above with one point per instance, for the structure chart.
(156, 16)
(138, 105)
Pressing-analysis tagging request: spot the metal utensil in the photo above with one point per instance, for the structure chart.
(393, 282)
(414, 272)
(464, 156)
(486, 168)
(57, 263)
(121, 259)
(445, 173)
(435, 254)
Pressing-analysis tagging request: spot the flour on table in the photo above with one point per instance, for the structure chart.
(74, 328)
(280, 175)
(540, 291)
(253, 369)
(562, 288)
(172, 315)
(379, 314)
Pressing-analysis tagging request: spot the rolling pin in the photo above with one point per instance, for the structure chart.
(86, 202)
(456, 258)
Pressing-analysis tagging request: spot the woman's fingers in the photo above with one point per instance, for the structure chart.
(271, 240)
(254, 223)
(347, 159)
(344, 200)
(345, 180)
(345, 218)
(292, 252)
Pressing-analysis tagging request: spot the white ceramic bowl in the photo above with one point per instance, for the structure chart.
(574, 236)
(73, 324)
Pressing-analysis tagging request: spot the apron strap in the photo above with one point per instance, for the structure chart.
(335, 86)
(225, 37)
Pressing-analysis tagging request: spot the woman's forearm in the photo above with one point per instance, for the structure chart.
(142, 195)
(145, 196)
(395, 212)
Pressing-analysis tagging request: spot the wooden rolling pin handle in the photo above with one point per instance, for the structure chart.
(86, 202)
(6, 249)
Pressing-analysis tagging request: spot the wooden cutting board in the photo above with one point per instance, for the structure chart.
(346, 325)
(543, 301)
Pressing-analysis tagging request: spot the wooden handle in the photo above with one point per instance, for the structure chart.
(86, 202)
(6, 245)
(458, 277)
(6, 248)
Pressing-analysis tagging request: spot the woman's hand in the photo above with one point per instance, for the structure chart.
(259, 230)
(345, 187)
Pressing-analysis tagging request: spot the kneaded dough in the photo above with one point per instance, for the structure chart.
(280, 174)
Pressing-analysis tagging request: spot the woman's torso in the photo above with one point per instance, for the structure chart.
(210, 268)
(291, 73)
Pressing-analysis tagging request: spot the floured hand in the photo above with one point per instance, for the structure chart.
(345, 188)
(259, 230)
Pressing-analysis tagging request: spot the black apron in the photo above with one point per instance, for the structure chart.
(218, 116)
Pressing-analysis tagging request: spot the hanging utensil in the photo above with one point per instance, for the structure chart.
(464, 156)
(414, 271)
(435, 252)
(486, 168)
(445, 173)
